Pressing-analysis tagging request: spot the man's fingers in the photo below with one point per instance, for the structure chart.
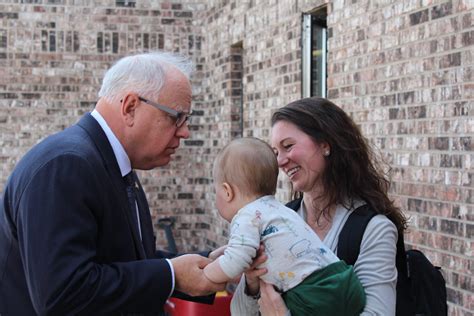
(203, 262)
(189, 275)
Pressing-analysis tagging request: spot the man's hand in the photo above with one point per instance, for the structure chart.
(190, 278)
(252, 274)
(270, 302)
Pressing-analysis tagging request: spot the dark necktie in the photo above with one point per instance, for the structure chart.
(132, 199)
(142, 221)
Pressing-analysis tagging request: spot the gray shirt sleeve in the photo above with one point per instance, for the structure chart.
(241, 303)
(375, 266)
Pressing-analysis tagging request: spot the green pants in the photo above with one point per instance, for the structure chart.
(333, 290)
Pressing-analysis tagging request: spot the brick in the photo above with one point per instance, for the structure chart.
(441, 10)
(416, 112)
(167, 21)
(454, 296)
(427, 223)
(463, 143)
(451, 227)
(467, 20)
(438, 143)
(419, 17)
(183, 14)
(450, 60)
(8, 15)
(467, 38)
(406, 97)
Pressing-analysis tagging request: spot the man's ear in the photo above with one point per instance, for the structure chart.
(129, 104)
(229, 192)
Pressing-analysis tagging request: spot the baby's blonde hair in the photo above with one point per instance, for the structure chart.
(248, 163)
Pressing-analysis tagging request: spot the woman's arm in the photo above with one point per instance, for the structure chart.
(375, 266)
(241, 303)
(271, 303)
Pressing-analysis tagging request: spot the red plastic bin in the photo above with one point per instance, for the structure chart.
(221, 307)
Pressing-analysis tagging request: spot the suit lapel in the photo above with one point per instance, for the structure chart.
(103, 146)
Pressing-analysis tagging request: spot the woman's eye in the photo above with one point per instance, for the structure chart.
(287, 146)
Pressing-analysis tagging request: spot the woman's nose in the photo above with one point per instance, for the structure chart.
(282, 159)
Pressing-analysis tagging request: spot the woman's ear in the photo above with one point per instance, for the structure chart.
(325, 149)
(129, 104)
(229, 192)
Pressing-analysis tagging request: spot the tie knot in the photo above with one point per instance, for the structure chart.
(129, 179)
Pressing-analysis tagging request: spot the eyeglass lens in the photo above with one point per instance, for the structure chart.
(181, 119)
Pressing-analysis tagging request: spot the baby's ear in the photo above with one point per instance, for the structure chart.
(229, 192)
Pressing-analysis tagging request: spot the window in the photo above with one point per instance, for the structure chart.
(236, 88)
(125, 3)
(314, 54)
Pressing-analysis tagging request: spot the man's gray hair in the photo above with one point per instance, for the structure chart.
(143, 74)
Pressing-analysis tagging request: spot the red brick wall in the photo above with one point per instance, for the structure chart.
(402, 69)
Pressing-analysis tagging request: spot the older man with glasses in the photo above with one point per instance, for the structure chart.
(75, 230)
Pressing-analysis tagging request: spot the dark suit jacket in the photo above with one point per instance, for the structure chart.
(67, 243)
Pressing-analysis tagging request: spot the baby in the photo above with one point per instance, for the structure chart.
(308, 274)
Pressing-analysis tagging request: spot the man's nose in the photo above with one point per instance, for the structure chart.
(183, 131)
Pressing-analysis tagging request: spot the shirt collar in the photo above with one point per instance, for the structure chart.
(119, 152)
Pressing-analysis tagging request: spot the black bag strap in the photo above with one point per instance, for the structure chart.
(348, 245)
(295, 204)
(401, 259)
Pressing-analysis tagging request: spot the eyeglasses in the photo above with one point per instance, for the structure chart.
(180, 116)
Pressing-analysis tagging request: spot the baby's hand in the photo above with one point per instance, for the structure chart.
(217, 253)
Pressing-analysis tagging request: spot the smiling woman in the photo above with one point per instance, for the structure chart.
(332, 170)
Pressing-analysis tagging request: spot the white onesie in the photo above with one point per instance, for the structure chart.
(294, 250)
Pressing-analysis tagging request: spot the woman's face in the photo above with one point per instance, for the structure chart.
(299, 156)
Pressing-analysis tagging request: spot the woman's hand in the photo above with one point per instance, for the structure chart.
(270, 302)
(252, 274)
